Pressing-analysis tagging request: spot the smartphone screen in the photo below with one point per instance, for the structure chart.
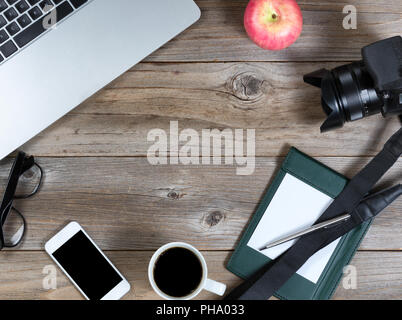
(87, 266)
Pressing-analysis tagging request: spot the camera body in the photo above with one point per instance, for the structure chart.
(361, 89)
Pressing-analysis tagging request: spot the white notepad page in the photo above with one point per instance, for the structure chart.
(295, 206)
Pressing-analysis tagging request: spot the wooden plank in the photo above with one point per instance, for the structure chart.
(268, 97)
(127, 204)
(220, 35)
(379, 275)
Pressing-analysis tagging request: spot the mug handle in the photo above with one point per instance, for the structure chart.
(215, 287)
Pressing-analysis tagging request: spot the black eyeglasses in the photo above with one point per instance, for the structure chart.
(24, 182)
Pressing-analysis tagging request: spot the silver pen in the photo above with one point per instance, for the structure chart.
(322, 225)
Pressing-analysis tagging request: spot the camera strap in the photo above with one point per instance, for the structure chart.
(353, 200)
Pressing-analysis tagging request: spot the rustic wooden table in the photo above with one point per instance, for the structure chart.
(211, 76)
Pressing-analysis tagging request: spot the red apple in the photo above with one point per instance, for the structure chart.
(273, 24)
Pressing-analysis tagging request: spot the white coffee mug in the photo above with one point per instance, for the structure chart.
(205, 283)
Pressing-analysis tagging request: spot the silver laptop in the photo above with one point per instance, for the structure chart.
(54, 54)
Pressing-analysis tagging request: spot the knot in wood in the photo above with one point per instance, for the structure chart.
(213, 219)
(173, 195)
(247, 86)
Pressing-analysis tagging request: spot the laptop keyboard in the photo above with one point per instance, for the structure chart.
(22, 21)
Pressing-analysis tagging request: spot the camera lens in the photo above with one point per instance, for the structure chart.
(348, 94)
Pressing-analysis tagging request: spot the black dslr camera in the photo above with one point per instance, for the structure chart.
(361, 89)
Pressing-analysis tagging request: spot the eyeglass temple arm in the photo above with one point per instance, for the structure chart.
(21, 164)
(28, 163)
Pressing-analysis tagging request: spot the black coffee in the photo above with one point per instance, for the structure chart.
(178, 272)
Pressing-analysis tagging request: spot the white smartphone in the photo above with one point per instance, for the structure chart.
(86, 265)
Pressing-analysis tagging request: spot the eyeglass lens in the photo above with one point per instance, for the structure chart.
(13, 228)
(29, 183)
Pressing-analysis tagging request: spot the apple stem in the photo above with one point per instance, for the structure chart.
(273, 16)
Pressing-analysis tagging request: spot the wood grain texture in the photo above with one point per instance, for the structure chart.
(268, 97)
(127, 204)
(378, 275)
(211, 76)
(220, 35)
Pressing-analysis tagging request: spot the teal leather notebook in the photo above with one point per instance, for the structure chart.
(299, 194)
